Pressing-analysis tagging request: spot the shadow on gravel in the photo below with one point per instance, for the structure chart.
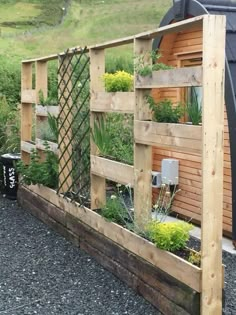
(42, 273)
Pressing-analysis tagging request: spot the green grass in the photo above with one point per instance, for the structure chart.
(35, 32)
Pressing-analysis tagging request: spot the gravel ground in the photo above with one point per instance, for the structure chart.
(42, 273)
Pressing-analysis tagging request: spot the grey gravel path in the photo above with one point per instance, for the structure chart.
(42, 273)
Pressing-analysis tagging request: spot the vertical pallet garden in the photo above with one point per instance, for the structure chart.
(172, 284)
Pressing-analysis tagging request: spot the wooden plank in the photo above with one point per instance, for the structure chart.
(113, 43)
(27, 146)
(160, 301)
(41, 85)
(172, 136)
(142, 152)
(41, 81)
(73, 50)
(119, 102)
(97, 69)
(28, 96)
(112, 170)
(26, 109)
(214, 28)
(168, 262)
(179, 77)
(43, 111)
(192, 23)
(52, 146)
(165, 292)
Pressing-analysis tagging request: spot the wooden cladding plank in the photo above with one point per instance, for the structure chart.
(166, 261)
(28, 96)
(112, 170)
(172, 136)
(179, 77)
(214, 29)
(120, 102)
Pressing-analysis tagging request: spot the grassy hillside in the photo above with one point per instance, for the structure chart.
(37, 27)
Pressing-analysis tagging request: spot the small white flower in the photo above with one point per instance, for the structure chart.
(113, 197)
(118, 185)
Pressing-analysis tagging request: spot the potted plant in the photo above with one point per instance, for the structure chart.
(46, 105)
(194, 111)
(166, 130)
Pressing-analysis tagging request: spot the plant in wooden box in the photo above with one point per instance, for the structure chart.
(165, 111)
(194, 110)
(120, 81)
(169, 236)
(113, 137)
(143, 68)
(48, 132)
(40, 172)
(46, 105)
(166, 130)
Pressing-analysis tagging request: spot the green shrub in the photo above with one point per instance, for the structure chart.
(170, 236)
(118, 81)
(9, 128)
(164, 111)
(114, 64)
(194, 110)
(101, 136)
(195, 258)
(37, 172)
(142, 66)
(10, 80)
(114, 137)
(114, 210)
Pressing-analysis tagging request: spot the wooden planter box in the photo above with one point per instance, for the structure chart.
(43, 111)
(179, 77)
(174, 136)
(170, 283)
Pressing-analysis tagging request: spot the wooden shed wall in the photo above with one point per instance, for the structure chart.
(176, 50)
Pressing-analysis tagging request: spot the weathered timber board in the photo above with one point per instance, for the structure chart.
(169, 295)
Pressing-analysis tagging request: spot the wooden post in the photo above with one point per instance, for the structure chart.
(26, 109)
(142, 153)
(41, 85)
(65, 134)
(97, 69)
(212, 163)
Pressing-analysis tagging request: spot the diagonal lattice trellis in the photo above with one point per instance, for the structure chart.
(74, 126)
